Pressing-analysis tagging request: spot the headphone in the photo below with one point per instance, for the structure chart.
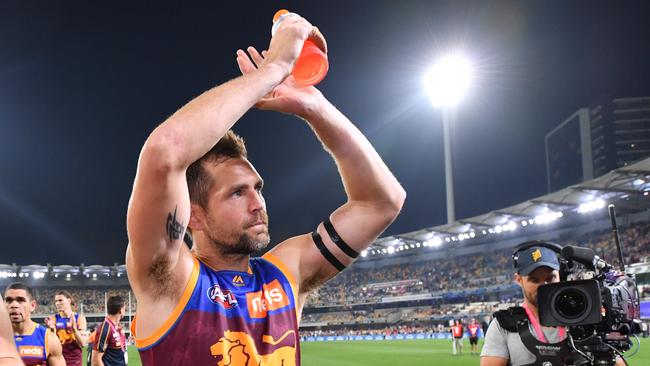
(557, 248)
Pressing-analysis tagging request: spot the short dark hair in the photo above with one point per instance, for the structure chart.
(22, 286)
(199, 181)
(114, 304)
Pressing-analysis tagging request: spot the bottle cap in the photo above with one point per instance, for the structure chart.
(279, 13)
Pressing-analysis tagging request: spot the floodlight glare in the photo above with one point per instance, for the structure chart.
(448, 80)
(591, 206)
(364, 253)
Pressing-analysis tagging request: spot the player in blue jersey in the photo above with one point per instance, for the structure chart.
(213, 303)
(8, 352)
(35, 343)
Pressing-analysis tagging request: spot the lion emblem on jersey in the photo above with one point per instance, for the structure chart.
(238, 349)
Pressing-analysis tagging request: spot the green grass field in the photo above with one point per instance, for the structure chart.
(390, 353)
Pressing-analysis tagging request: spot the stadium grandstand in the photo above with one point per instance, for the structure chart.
(411, 285)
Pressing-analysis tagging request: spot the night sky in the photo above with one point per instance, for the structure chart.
(82, 85)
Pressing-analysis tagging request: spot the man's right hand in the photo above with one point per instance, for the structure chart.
(288, 40)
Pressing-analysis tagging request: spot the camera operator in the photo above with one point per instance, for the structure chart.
(506, 343)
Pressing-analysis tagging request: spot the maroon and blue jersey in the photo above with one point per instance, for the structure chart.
(72, 353)
(32, 347)
(110, 340)
(230, 318)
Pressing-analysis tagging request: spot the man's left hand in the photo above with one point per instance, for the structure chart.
(287, 97)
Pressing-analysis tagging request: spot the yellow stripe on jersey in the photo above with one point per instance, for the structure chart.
(292, 281)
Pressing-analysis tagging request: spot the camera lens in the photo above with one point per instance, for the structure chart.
(571, 303)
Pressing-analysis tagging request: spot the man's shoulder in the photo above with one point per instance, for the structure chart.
(507, 319)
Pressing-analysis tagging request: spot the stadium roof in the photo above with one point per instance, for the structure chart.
(628, 187)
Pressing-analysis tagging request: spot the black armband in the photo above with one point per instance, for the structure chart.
(326, 252)
(336, 238)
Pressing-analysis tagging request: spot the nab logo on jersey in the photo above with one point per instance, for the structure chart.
(30, 351)
(237, 280)
(225, 298)
(272, 297)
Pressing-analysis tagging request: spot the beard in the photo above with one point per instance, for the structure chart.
(530, 298)
(242, 242)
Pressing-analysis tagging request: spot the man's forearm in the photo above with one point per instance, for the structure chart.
(365, 176)
(194, 129)
(79, 338)
(97, 359)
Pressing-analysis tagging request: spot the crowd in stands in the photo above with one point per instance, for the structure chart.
(439, 276)
(87, 300)
(422, 313)
(461, 273)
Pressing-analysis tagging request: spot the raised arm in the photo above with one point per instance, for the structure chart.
(159, 209)
(374, 197)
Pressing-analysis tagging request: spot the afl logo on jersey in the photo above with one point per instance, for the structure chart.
(224, 297)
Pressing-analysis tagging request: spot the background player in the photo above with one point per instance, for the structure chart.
(35, 344)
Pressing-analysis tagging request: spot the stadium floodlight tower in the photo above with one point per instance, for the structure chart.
(446, 83)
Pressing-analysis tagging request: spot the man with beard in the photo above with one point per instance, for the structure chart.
(514, 334)
(214, 303)
(536, 266)
(36, 345)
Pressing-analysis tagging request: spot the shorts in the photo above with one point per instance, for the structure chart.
(473, 340)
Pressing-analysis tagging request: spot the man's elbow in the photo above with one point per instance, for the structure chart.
(395, 201)
(162, 151)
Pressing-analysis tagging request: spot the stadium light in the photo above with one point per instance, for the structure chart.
(364, 253)
(446, 83)
(448, 80)
(391, 250)
(591, 206)
(547, 218)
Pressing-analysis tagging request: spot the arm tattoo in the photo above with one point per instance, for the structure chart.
(174, 228)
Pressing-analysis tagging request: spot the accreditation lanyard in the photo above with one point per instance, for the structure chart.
(538, 328)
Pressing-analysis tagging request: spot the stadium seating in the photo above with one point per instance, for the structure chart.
(350, 303)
